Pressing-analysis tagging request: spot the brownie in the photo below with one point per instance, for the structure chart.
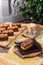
(26, 44)
(9, 32)
(3, 37)
(2, 29)
(14, 24)
(14, 28)
(17, 24)
(5, 25)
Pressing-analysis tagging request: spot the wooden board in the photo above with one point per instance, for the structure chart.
(11, 38)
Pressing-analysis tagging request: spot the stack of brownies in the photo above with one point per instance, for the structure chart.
(7, 30)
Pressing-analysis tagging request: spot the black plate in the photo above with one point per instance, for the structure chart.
(35, 48)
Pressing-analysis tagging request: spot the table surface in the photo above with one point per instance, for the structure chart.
(27, 61)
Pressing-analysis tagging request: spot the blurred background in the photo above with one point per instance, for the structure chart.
(10, 11)
(21, 10)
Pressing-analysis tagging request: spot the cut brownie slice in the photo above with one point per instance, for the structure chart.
(5, 25)
(17, 24)
(14, 24)
(9, 32)
(3, 37)
(26, 44)
(14, 28)
(2, 29)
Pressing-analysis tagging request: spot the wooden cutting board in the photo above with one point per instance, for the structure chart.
(11, 38)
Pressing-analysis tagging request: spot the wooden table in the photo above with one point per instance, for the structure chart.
(27, 61)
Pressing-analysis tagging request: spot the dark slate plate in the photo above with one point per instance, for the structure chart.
(35, 48)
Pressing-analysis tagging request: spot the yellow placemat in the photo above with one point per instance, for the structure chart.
(27, 61)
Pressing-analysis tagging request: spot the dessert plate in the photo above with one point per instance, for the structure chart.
(31, 52)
